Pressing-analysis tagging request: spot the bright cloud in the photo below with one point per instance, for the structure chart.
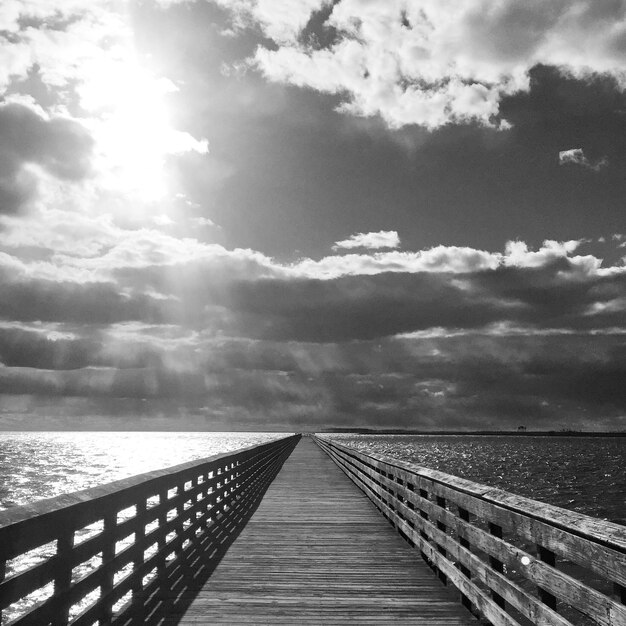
(372, 241)
(452, 259)
(282, 20)
(576, 156)
(435, 62)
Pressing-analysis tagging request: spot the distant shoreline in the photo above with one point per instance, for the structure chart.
(499, 433)
(347, 431)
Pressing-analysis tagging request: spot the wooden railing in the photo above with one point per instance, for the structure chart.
(126, 552)
(514, 560)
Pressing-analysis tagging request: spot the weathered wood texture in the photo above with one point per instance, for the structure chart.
(150, 536)
(317, 552)
(514, 560)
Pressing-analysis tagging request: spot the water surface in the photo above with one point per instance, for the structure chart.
(36, 465)
(584, 474)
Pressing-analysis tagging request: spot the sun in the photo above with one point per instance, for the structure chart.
(131, 123)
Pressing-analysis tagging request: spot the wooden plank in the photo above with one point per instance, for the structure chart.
(317, 551)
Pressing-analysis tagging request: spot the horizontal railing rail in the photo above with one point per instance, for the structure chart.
(515, 561)
(112, 553)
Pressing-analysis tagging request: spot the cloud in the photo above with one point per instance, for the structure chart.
(372, 241)
(577, 157)
(434, 63)
(32, 145)
(556, 295)
(464, 381)
(44, 347)
(282, 20)
(148, 276)
(114, 317)
(203, 221)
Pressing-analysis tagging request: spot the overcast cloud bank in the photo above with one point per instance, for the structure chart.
(446, 337)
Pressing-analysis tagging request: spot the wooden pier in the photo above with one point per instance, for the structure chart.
(285, 533)
(317, 552)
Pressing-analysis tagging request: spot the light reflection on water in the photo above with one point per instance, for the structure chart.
(584, 474)
(36, 465)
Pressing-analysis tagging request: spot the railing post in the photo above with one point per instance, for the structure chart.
(140, 533)
(63, 576)
(548, 557)
(209, 500)
(441, 502)
(180, 514)
(108, 553)
(410, 505)
(3, 571)
(496, 564)
(196, 502)
(162, 541)
(465, 516)
(424, 515)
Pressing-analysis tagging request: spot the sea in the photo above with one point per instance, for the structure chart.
(36, 465)
(583, 474)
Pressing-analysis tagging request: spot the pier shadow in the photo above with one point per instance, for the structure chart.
(174, 590)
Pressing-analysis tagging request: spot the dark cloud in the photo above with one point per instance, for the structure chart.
(559, 293)
(366, 307)
(41, 350)
(473, 380)
(29, 300)
(60, 146)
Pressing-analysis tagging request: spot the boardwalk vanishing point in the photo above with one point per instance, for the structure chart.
(291, 532)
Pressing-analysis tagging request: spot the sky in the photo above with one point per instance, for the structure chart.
(302, 214)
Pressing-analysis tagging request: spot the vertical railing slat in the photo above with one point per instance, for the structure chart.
(63, 576)
(548, 557)
(108, 553)
(138, 561)
(465, 516)
(3, 571)
(441, 502)
(424, 494)
(496, 564)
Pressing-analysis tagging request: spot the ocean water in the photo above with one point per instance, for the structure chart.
(584, 474)
(36, 465)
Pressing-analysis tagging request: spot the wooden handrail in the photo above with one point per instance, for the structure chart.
(143, 530)
(513, 559)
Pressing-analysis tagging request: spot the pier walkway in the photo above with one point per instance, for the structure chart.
(317, 551)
